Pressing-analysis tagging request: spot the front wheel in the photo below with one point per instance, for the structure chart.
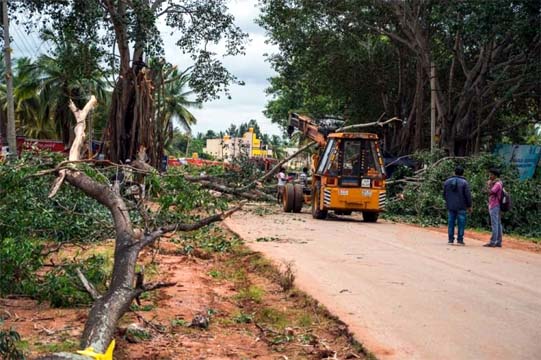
(288, 198)
(370, 216)
(299, 198)
(317, 213)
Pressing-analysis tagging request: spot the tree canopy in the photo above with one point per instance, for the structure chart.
(128, 35)
(360, 59)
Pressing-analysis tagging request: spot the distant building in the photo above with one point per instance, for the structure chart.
(227, 148)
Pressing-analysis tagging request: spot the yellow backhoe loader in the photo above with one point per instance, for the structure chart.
(347, 173)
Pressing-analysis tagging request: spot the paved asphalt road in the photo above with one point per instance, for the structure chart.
(404, 292)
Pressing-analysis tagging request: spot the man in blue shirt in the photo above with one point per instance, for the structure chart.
(457, 195)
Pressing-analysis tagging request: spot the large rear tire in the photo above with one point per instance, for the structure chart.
(288, 198)
(299, 198)
(317, 213)
(370, 216)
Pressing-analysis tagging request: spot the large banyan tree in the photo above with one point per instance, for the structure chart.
(131, 31)
(479, 60)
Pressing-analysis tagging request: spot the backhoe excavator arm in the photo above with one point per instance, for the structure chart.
(308, 127)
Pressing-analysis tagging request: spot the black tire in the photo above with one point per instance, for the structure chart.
(299, 198)
(288, 198)
(317, 213)
(370, 216)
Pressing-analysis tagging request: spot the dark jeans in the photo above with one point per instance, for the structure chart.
(460, 218)
(496, 224)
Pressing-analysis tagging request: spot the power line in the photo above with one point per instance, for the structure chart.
(29, 43)
(21, 41)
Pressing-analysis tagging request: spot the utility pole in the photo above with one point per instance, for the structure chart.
(432, 106)
(12, 140)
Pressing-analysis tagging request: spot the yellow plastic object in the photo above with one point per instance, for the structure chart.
(107, 356)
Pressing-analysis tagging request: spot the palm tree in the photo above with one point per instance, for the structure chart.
(28, 104)
(28, 117)
(71, 72)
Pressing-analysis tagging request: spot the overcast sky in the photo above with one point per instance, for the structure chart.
(247, 102)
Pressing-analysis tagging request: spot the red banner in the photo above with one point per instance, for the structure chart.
(50, 145)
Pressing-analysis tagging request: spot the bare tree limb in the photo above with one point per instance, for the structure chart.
(88, 285)
(229, 190)
(420, 171)
(375, 123)
(64, 165)
(75, 151)
(397, 160)
(157, 285)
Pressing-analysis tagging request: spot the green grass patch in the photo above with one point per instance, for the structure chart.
(242, 318)
(251, 293)
(64, 346)
(146, 307)
(305, 320)
(272, 317)
(179, 323)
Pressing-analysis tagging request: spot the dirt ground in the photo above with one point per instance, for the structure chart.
(404, 292)
(250, 315)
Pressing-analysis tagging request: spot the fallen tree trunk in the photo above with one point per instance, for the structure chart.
(124, 288)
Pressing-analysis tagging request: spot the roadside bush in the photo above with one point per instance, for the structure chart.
(19, 261)
(423, 202)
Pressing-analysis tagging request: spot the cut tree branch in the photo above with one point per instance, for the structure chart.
(150, 238)
(88, 285)
(75, 151)
(276, 167)
(375, 123)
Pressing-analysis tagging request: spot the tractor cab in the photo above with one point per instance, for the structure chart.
(351, 160)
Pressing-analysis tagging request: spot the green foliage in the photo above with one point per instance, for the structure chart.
(30, 220)
(8, 345)
(424, 203)
(61, 286)
(19, 260)
(179, 196)
(195, 25)
(360, 59)
(27, 212)
(32, 224)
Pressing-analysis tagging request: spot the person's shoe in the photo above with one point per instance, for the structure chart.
(461, 243)
(498, 245)
(489, 245)
(450, 242)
